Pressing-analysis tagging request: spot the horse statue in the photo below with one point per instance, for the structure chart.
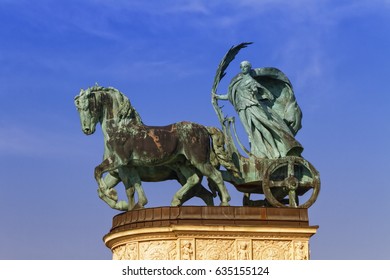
(134, 152)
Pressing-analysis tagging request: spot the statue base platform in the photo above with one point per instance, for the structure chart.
(211, 233)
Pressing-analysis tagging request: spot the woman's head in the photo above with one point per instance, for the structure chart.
(245, 66)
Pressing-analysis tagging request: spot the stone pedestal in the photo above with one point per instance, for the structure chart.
(211, 233)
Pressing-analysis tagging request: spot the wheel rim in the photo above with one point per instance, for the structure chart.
(290, 184)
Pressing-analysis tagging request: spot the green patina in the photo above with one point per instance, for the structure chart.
(266, 106)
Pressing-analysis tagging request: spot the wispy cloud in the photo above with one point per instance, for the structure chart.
(156, 7)
(96, 17)
(307, 25)
(189, 7)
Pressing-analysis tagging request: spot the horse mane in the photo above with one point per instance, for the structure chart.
(126, 111)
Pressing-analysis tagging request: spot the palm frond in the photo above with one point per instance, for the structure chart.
(223, 65)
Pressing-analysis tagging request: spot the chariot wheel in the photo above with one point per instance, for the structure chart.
(286, 179)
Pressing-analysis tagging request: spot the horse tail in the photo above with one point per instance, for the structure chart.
(218, 153)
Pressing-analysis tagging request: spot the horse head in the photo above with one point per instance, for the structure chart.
(88, 110)
(101, 104)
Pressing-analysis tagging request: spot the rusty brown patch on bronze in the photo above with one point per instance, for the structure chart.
(156, 139)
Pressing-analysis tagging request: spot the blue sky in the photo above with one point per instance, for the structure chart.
(163, 56)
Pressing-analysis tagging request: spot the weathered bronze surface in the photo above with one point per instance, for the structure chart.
(134, 152)
(268, 110)
(266, 105)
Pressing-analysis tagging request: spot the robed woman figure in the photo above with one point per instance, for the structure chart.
(265, 102)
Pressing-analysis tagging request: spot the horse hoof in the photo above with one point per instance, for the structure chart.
(224, 204)
(210, 203)
(113, 195)
(175, 202)
(138, 206)
(122, 205)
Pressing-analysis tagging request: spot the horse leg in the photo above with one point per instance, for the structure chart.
(213, 187)
(111, 181)
(132, 182)
(191, 180)
(203, 194)
(197, 191)
(103, 190)
(123, 175)
(213, 174)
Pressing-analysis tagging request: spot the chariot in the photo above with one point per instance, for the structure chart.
(290, 181)
(186, 152)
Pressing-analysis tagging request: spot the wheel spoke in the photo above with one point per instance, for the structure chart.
(308, 185)
(290, 169)
(276, 184)
(292, 199)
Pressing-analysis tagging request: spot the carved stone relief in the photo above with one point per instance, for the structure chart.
(158, 250)
(215, 249)
(187, 249)
(272, 250)
(301, 250)
(126, 252)
(244, 250)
